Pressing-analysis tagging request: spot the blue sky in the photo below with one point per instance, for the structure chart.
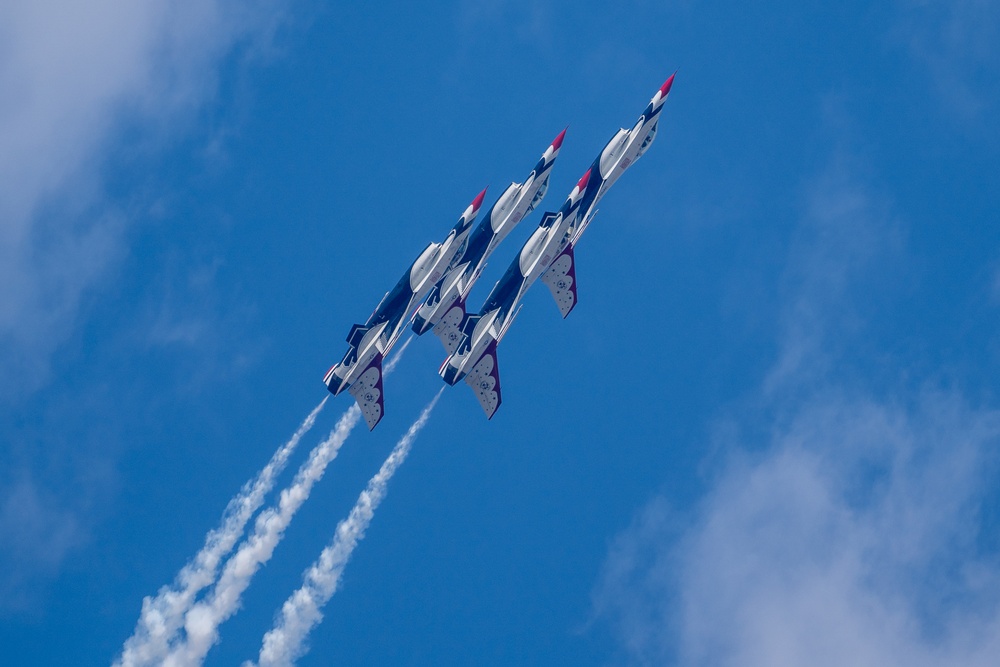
(767, 435)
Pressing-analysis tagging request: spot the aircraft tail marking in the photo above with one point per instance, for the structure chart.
(358, 332)
(561, 280)
(485, 381)
(367, 391)
(449, 329)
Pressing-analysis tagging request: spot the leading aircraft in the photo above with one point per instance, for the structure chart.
(360, 372)
(444, 310)
(547, 254)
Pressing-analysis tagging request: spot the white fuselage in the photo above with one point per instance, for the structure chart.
(516, 202)
(502, 306)
(548, 241)
(397, 308)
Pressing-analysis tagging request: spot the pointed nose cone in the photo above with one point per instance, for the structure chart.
(583, 181)
(478, 201)
(665, 88)
(557, 142)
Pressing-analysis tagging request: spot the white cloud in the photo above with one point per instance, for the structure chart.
(72, 75)
(75, 78)
(851, 531)
(851, 541)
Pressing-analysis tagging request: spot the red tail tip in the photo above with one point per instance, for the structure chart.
(478, 201)
(665, 88)
(583, 181)
(557, 142)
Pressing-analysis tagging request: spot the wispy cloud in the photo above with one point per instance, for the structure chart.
(847, 530)
(959, 45)
(163, 615)
(37, 529)
(285, 643)
(75, 79)
(72, 77)
(845, 230)
(853, 540)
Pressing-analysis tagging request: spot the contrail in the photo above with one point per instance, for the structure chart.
(390, 366)
(202, 620)
(162, 615)
(301, 612)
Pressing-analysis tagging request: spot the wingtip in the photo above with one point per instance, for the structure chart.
(583, 181)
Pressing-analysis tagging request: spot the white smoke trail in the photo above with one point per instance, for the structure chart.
(301, 612)
(162, 615)
(201, 621)
(390, 366)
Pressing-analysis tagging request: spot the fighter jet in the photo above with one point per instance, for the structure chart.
(444, 310)
(360, 372)
(547, 254)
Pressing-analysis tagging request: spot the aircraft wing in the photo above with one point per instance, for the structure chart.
(560, 278)
(367, 391)
(485, 381)
(449, 329)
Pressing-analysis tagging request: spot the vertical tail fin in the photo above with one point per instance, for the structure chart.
(449, 329)
(560, 278)
(367, 391)
(485, 381)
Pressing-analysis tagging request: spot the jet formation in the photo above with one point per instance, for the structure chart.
(431, 295)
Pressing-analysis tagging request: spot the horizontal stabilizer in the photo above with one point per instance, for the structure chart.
(561, 280)
(449, 329)
(464, 343)
(367, 391)
(548, 219)
(485, 380)
(358, 332)
(469, 325)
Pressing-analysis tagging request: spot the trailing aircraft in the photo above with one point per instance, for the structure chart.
(360, 371)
